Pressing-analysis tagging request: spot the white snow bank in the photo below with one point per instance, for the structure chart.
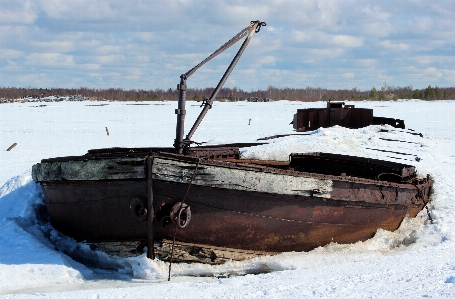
(27, 258)
(416, 260)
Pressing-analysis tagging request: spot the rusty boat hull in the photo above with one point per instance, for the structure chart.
(265, 206)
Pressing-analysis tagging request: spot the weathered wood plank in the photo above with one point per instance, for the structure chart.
(239, 179)
(102, 169)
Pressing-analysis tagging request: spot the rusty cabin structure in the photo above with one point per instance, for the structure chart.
(339, 114)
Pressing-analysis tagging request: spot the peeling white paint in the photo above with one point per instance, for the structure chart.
(239, 179)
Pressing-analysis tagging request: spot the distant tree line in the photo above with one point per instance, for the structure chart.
(393, 93)
(308, 94)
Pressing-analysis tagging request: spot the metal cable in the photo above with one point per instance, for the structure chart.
(175, 228)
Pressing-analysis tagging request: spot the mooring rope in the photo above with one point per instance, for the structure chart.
(175, 228)
(429, 215)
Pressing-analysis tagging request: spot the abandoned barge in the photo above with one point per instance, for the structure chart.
(270, 206)
(207, 195)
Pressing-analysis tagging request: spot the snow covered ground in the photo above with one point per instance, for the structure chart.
(418, 260)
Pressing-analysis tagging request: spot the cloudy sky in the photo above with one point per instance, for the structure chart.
(141, 44)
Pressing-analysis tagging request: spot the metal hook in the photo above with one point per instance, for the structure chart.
(260, 24)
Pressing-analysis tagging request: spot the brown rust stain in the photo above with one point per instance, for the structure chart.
(327, 211)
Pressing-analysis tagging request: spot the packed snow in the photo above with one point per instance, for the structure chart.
(417, 260)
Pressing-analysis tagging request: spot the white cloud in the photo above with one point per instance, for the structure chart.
(173, 67)
(109, 49)
(167, 38)
(10, 53)
(106, 75)
(89, 42)
(265, 43)
(146, 36)
(432, 72)
(11, 65)
(366, 62)
(134, 71)
(301, 36)
(450, 76)
(17, 12)
(90, 66)
(394, 46)
(78, 9)
(59, 46)
(325, 53)
(347, 41)
(142, 59)
(378, 29)
(109, 59)
(373, 12)
(435, 59)
(318, 39)
(425, 24)
(269, 60)
(348, 75)
(50, 59)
